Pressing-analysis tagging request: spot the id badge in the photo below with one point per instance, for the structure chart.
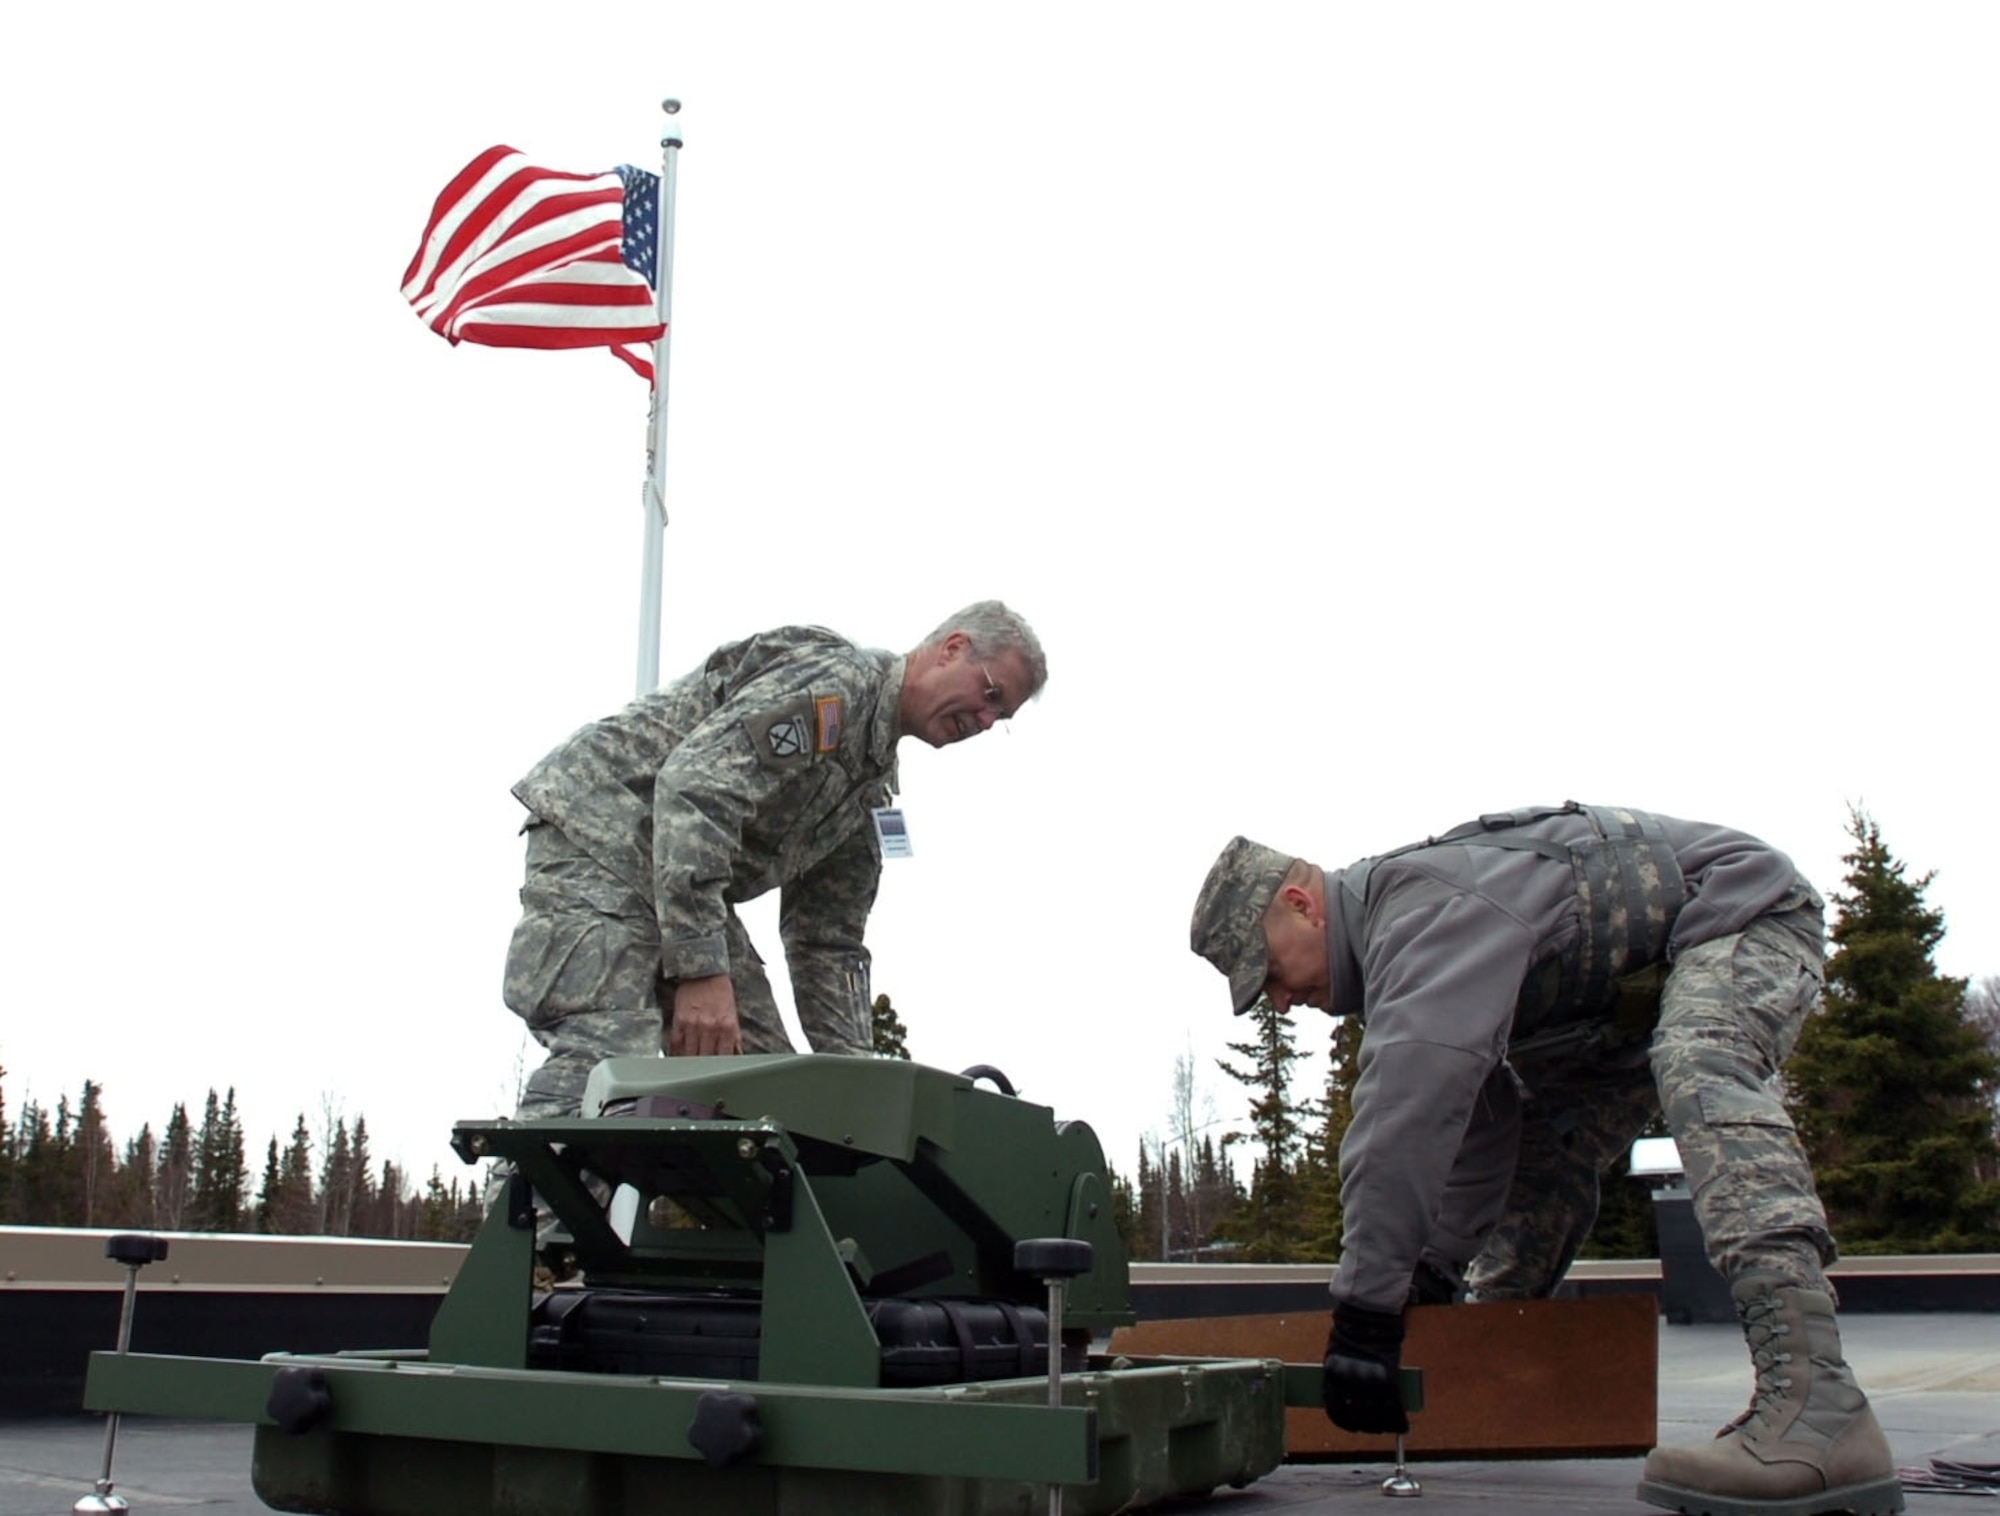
(892, 831)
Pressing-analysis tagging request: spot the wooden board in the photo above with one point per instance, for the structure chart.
(1503, 1379)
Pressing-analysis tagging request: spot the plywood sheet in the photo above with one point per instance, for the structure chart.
(1502, 1379)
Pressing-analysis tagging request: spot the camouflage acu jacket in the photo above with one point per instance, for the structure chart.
(752, 772)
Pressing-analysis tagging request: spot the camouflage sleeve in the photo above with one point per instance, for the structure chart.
(821, 919)
(754, 757)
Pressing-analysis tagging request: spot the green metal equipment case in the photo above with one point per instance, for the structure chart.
(811, 1187)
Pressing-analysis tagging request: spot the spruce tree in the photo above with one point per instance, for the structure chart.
(1888, 1085)
(175, 1185)
(289, 1207)
(1328, 1121)
(359, 1159)
(434, 1224)
(388, 1213)
(1125, 1214)
(1151, 1221)
(270, 1193)
(62, 1195)
(1269, 1227)
(1178, 1230)
(216, 1204)
(139, 1172)
(336, 1184)
(1215, 1189)
(95, 1162)
(887, 1034)
(6, 1158)
(37, 1168)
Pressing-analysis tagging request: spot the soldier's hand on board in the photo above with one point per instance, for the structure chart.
(1362, 1385)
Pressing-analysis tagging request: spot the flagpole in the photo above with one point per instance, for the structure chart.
(654, 502)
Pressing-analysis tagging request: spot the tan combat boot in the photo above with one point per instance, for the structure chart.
(1808, 1444)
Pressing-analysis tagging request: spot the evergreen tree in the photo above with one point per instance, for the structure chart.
(1179, 1234)
(288, 1206)
(1215, 1190)
(468, 1210)
(216, 1204)
(1124, 1214)
(270, 1191)
(138, 1173)
(1269, 1226)
(362, 1200)
(1889, 1082)
(886, 1032)
(1148, 1224)
(94, 1163)
(1333, 1113)
(434, 1223)
(62, 1188)
(174, 1189)
(37, 1168)
(336, 1185)
(7, 1215)
(387, 1214)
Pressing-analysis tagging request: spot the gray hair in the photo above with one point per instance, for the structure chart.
(993, 629)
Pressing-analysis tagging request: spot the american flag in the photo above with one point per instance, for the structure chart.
(520, 256)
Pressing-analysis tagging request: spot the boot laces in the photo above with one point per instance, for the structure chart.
(1764, 1331)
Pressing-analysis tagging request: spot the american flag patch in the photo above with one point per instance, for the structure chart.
(827, 709)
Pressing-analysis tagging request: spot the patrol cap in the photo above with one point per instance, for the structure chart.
(1228, 925)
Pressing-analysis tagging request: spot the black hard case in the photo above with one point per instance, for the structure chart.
(924, 1341)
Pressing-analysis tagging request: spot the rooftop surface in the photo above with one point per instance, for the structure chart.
(1934, 1379)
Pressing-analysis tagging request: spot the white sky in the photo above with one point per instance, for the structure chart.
(1384, 413)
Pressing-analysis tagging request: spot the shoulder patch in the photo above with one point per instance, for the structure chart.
(782, 738)
(827, 711)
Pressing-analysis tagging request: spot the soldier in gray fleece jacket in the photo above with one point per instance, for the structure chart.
(1535, 986)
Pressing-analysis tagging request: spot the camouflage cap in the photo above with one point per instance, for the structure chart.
(1228, 925)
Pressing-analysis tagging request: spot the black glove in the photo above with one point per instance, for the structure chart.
(1431, 1285)
(1363, 1383)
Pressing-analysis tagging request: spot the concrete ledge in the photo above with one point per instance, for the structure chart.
(72, 1258)
(241, 1296)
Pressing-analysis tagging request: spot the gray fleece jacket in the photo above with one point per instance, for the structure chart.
(1434, 960)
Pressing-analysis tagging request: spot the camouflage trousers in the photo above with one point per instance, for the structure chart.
(583, 970)
(1730, 1012)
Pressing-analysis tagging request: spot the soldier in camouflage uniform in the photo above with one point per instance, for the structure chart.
(1534, 988)
(756, 771)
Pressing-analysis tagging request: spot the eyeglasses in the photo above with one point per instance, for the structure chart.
(996, 698)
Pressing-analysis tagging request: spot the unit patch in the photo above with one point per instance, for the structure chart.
(827, 709)
(787, 739)
(784, 737)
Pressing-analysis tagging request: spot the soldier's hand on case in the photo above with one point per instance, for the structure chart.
(1362, 1383)
(705, 1024)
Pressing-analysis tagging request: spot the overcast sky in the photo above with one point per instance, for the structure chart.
(1384, 414)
